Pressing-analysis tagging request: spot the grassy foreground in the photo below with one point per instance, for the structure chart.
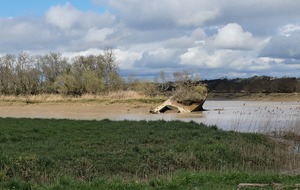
(66, 154)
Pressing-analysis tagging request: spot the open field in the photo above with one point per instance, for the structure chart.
(67, 154)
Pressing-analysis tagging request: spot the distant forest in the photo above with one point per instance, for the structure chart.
(256, 84)
(51, 73)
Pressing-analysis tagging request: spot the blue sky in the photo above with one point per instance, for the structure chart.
(13, 8)
(210, 39)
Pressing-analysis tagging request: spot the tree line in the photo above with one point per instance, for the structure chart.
(25, 74)
(52, 73)
(256, 84)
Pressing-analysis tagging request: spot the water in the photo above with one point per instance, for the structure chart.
(254, 116)
(244, 116)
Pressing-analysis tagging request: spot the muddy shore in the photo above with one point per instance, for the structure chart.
(70, 110)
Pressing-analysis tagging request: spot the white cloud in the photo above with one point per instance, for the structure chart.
(232, 36)
(224, 59)
(67, 17)
(158, 58)
(196, 56)
(91, 51)
(288, 29)
(126, 58)
(63, 16)
(97, 35)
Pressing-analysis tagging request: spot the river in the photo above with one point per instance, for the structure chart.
(244, 116)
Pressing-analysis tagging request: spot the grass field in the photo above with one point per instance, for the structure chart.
(68, 154)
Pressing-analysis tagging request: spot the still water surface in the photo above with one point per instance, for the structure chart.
(245, 116)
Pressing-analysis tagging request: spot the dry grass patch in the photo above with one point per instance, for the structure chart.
(118, 96)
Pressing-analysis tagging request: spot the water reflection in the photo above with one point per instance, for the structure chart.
(245, 116)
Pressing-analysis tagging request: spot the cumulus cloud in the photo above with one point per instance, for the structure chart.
(67, 17)
(64, 16)
(218, 59)
(232, 36)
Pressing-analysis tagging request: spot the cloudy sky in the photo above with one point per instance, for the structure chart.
(210, 38)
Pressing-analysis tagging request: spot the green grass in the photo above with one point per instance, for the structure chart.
(67, 154)
(181, 181)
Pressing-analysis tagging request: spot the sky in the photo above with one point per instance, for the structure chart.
(207, 38)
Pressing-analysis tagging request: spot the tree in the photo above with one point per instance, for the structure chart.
(188, 89)
(53, 73)
(52, 66)
(112, 80)
(27, 79)
(93, 84)
(7, 75)
(67, 84)
(162, 77)
(146, 88)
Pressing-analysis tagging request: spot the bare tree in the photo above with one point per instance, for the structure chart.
(7, 75)
(112, 80)
(52, 73)
(162, 77)
(51, 65)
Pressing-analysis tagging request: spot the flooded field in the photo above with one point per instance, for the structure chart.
(251, 116)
